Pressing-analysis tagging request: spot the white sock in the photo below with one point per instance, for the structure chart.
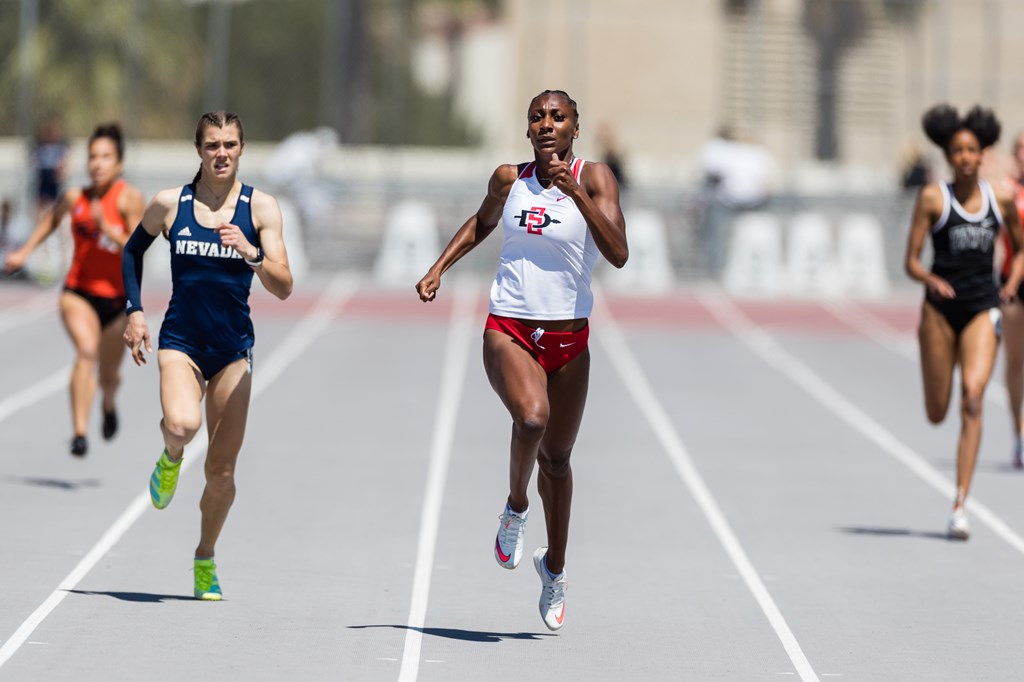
(522, 514)
(551, 576)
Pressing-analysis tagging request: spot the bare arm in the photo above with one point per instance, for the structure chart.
(131, 206)
(158, 216)
(1011, 222)
(472, 232)
(47, 225)
(926, 212)
(275, 272)
(598, 201)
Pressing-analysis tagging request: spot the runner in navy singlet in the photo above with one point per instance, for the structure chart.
(558, 214)
(221, 233)
(960, 314)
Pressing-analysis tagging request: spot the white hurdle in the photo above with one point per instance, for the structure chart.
(649, 268)
(754, 265)
(291, 233)
(410, 244)
(862, 256)
(810, 257)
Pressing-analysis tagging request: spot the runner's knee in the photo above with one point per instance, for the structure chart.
(554, 465)
(219, 478)
(531, 421)
(180, 427)
(89, 353)
(971, 404)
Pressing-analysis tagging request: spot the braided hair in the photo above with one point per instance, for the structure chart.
(220, 119)
(561, 93)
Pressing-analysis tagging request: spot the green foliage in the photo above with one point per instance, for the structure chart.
(144, 63)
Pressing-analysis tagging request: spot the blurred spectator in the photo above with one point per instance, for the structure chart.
(49, 155)
(611, 154)
(5, 227)
(915, 172)
(5, 223)
(6, 241)
(736, 177)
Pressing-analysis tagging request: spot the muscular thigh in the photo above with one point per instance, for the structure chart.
(978, 346)
(228, 393)
(112, 346)
(1013, 333)
(567, 394)
(227, 411)
(938, 345)
(514, 374)
(181, 387)
(81, 322)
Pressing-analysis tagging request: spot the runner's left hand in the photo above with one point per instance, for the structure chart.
(231, 235)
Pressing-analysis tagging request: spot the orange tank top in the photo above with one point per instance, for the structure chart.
(96, 264)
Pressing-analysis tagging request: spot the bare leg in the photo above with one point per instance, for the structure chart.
(938, 345)
(83, 326)
(567, 389)
(978, 346)
(227, 410)
(112, 351)
(181, 392)
(1013, 354)
(522, 386)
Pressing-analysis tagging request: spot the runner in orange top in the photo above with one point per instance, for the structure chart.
(92, 304)
(1013, 318)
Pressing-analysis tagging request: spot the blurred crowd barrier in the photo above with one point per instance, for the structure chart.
(792, 246)
(389, 214)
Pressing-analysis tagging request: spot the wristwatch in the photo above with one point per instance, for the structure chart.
(258, 260)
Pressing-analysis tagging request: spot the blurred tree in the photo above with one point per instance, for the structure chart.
(905, 11)
(835, 26)
(93, 60)
(9, 66)
(374, 98)
(291, 65)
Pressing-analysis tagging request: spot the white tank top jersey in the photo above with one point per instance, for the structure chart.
(548, 254)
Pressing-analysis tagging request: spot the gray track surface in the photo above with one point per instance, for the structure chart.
(803, 420)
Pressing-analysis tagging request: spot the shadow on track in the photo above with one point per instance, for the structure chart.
(58, 483)
(143, 597)
(463, 635)
(895, 532)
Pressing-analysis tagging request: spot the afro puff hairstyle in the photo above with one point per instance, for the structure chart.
(942, 122)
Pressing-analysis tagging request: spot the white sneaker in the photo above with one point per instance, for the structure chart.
(959, 529)
(552, 592)
(1018, 450)
(508, 545)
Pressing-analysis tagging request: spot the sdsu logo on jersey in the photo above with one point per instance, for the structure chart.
(535, 219)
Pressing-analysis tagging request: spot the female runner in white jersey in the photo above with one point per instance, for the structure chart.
(558, 213)
(960, 313)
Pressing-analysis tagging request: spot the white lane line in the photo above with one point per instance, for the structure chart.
(29, 311)
(885, 334)
(872, 326)
(644, 396)
(302, 336)
(35, 392)
(448, 398)
(40, 390)
(733, 319)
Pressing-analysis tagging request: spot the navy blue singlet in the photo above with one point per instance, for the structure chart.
(209, 308)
